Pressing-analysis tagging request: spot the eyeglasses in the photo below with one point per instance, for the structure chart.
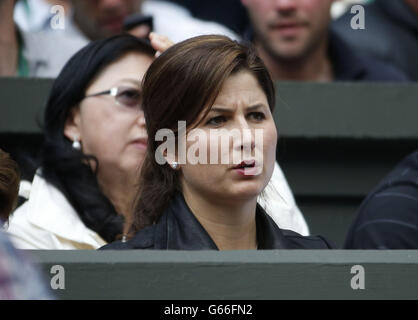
(127, 97)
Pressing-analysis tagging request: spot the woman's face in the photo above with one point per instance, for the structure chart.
(240, 107)
(114, 133)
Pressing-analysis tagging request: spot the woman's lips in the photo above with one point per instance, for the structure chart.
(140, 144)
(248, 172)
(245, 163)
(248, 168)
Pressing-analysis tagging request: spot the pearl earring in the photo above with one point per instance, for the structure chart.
(76, 143)
(174, 165)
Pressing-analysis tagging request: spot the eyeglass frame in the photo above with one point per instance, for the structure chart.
(114, 92)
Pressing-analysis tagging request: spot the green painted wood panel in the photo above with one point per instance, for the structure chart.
(258, 275)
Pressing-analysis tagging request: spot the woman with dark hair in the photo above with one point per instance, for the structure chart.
(212, 86)
(95, 141)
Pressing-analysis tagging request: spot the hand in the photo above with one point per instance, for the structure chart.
(160, 43)
(141, 31)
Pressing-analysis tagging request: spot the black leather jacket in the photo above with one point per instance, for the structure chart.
(178, 229)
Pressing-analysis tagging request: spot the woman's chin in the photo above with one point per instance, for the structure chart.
(244, 193)
(133, 164)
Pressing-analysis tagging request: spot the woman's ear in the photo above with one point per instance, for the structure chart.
(72, 128)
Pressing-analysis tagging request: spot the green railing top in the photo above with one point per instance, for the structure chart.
(228, 257)
(231, 275)
(347, 110)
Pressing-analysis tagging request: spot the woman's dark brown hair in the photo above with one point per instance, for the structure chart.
(180, 85)
(9, 185)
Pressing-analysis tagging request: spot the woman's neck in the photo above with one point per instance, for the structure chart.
(119, 188)
(230, 225)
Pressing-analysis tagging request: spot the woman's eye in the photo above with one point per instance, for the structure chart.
(216, 120)
(129, 98)
(131, 94)
(258, 116)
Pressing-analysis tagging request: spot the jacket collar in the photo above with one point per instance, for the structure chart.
(347, 65)
(178, 229)
(50, 210)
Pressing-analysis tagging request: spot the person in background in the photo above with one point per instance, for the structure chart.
(28, 54)
(390, 34)
(10, 54)
(101, 18)
(9, 185)
(49, 49)
(295, 41)
(211, 83)
(19, 279)
(231, 13)
(388, 217)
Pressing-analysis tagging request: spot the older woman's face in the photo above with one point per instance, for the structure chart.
(241, 106)
(111, 131)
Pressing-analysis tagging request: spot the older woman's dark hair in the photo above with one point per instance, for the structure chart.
(62, 165)
(181, 84)
(9, 185)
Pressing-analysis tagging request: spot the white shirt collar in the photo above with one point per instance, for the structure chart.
(49, 209)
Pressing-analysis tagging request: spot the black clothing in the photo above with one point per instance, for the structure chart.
(390, 34)
(178, 229)
(388, 217)
(348, 65)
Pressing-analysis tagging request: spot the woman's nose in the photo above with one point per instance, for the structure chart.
(141, 119)
(241, 123)
(246, 138)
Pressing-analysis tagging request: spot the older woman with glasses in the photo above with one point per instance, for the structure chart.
(95, 141)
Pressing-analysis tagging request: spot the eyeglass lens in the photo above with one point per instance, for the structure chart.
(129, 97)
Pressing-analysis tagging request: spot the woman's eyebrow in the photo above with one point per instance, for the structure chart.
(231, 110)
(217, 109)
(133, 81)
(255, 107)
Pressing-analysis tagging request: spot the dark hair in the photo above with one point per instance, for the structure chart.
(67, 168)
(9, 185)
(182, 83)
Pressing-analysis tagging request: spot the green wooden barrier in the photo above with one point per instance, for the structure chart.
(303, 110)
(231, 275)
(347, 110)
(22, 103)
